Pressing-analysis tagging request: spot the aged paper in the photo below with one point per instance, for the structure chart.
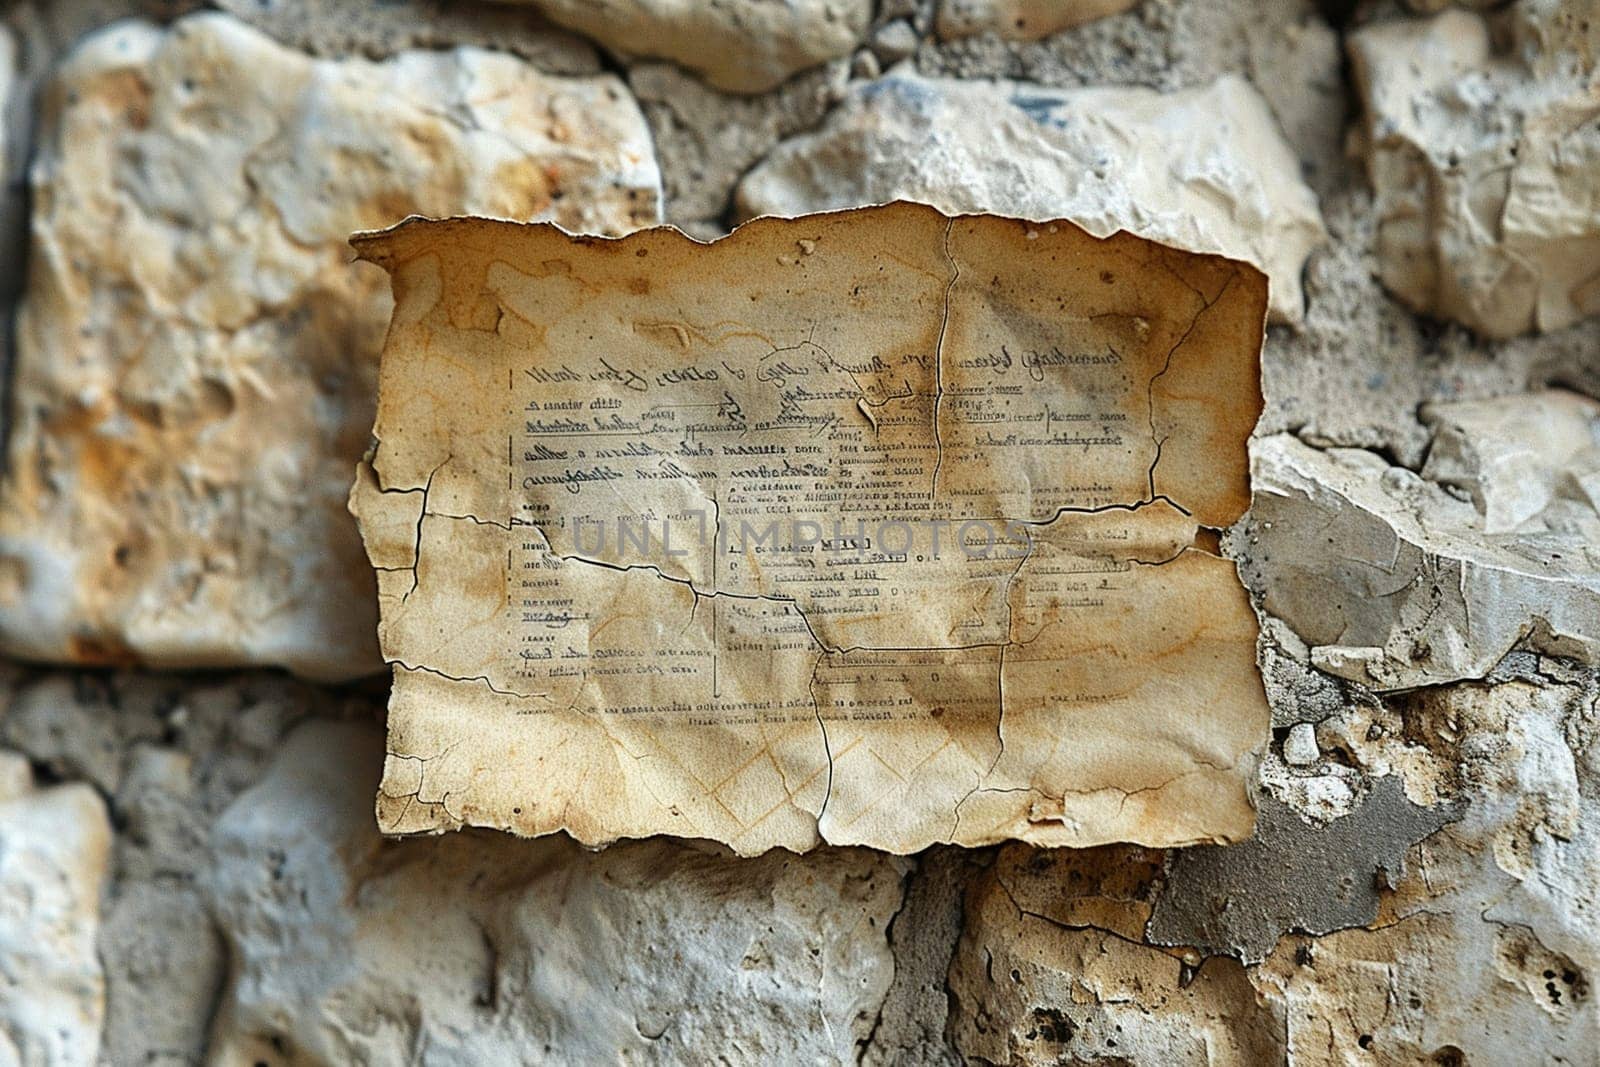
(874, 527)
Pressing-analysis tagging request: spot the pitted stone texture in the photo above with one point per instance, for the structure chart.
(53, 852)
(1297, 691)
(1450, 989)
(1486, 164)
(1482, 950)
(481, 947)
(1021, 20)
(743, 46)
(1397, 580)
(1293, 875)
(191, 397)
(1204, 169)
(43, 31)
(1046, 973)
(1486, 951)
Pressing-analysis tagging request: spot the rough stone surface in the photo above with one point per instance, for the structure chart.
(1300, 747)
(1286, 48)
(1203, 169)
(1043, 974)
(1485, 951)
(706, 140)
(170, 754)
(1485, 164)
(43, 32)
(168, 967)
(482, 948)
(340, 28)
(1023, 20)
(1293, 875)
(1297, 691)
(1396, 579)
(915, 1012)
(1482, 950)
(1530, 465)
(190, 399)
(1443, 458)
(743, 46)
(53, 850)
(1318, 792)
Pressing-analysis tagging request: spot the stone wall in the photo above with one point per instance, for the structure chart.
(189, 722)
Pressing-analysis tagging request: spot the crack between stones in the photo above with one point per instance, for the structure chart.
(1060, 925)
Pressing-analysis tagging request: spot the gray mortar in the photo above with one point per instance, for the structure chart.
(1293, 875)
(706, 140)
(911, 1024)
(342, 28)
(170, 753)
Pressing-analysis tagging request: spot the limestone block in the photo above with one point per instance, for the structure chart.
(743, 46)
(54, 845)
(1449, 982)
(196, 354)
(1480, 947)
(1487, 951)
(1021, 20)
(1050, 970)
(1205, 169)
(1397, 579)
(480, 947)
(1485, 165)
(1529, 465)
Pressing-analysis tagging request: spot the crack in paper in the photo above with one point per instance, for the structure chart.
(891, 366)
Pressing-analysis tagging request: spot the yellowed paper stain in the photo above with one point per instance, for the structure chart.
(874, 527)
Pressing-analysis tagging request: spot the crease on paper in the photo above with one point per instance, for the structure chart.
(657, 528)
